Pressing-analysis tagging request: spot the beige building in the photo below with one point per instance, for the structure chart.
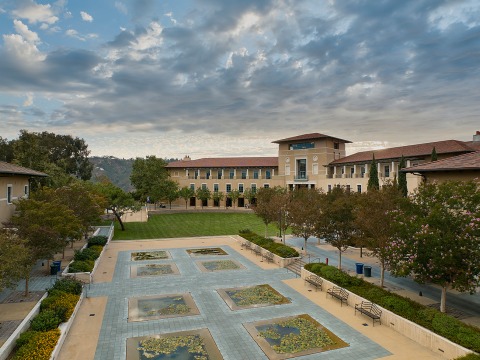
(14, 185)
(310, 160)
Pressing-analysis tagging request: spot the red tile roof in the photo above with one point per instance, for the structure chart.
(12, 169)
(473, 144)
(311, 136)
(233, 162)
(409, 151)
(470, 161)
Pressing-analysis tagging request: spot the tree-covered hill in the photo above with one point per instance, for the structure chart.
(116, 170)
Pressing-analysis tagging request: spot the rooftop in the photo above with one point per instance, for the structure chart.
(227, 162)
(470, 161)
(12, 169)
(312, 136)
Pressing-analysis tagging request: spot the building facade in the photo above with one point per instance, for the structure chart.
(309, 161)
(14, 185)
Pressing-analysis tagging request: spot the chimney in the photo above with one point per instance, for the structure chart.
(476, 137)
(187, 158)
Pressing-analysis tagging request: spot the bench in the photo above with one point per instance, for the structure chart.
(338, 293)
(268, 256)
(369, 309)
(247, 245)
(315, 281)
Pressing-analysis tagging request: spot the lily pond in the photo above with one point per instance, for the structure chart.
(154, 269)
(149, 255)
(256, 295)
(206, 251)
(161, 306)
(220, 265)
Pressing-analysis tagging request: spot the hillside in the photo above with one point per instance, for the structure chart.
(117, 170)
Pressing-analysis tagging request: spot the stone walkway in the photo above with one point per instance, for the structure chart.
(101, 328)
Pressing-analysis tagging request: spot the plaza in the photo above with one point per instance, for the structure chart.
(101, 328)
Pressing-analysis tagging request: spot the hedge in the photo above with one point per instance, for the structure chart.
(440, 323)
(279, 249)
(84, 260)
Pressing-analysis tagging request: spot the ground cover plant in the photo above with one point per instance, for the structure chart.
(279, 249)
(207, 251)
(149, 255)
(220, 265)
(432, 319)
(165, 306)
(191, 224)
(193, 344)
(154, 269)
(39, 341)
(255, 295)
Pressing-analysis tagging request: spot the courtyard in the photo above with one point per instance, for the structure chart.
(125, 316)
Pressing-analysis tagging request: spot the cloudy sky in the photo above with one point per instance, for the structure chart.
(225, 78)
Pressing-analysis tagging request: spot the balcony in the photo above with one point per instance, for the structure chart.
(329, 176)
(302, 176)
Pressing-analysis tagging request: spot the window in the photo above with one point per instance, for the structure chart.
(268, 174)
(240, 188)
(387, 171)
(315, 169)
(215, 187)
(9, 194)
(266, 186)
(197, 174)
(348, 188)
(300, 146)
(25, 190)
(255, 174)
(301, 168)
(244, 174)
(329, 188)
(359, 188)
(232, 173)
(254, 188)
(352, 170)
(336, 145)
(207, 174)
(229, 188)
(204, 186)
(219, 174)
(192, 186)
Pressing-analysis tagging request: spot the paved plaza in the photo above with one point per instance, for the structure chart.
(101, 328)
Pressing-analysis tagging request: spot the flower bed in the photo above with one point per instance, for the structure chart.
(84, 259)
(40, 340)
(432, 319)
(281, 250)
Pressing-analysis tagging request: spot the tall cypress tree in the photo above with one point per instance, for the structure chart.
(434, 154)
(373, 183)
(402, 178)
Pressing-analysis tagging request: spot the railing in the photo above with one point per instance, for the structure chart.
(301, 177)
(329, 176)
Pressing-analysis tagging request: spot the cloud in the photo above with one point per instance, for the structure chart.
(23, 30)
(86, 17)
(121, 7)
(29, 100)
(35, 13)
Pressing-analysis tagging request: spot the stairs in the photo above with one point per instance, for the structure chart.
(296, 267)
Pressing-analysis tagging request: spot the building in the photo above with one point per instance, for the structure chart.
(309, 161)
(14, 185)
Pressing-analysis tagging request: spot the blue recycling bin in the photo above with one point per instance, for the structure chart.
(57, 265)
(359, 267)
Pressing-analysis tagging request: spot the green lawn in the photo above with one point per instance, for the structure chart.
(192, 224)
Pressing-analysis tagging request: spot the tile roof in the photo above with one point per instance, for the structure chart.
(473, 144)
(470, 161)
(232, 162)
(311, 136)
(409, 151)
(12, 169)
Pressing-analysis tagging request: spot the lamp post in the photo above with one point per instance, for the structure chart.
(280, 223)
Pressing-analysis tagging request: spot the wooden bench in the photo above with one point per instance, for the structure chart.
(370, 309)
(257, 250)
(268, 256)
(247, 245)
(315, 281)
(339, 293)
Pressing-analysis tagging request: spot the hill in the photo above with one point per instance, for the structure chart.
(115, 169)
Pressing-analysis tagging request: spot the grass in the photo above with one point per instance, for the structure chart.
(192, 224)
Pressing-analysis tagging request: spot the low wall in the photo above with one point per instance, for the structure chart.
(9, 345)
(443, 347)
(281, 262)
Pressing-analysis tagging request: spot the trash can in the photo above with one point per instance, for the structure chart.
(53, 269)
(359, 267)
(58, 265)
(367, 271)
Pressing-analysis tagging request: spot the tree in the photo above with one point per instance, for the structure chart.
(148, 175)
(203, 193)
(264, 208)
(402, 178)
(434, 155)
(374, 219)
(186, 193)
(217, 197)
(117, 200)
(304, 209)
(438, 236)
(6, 150)
(250, 195)
(373, 183)
(45, 226)
(337, 223)
(280, 204)
(234, 195)
(168, 191)
(14, 253)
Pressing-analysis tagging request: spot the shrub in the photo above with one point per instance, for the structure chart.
(81, 266)
(91, 253)
(39, 346)
(62, 304)
(45, 321)
(469, 357)
(97, 240)
(25, 337)
(68, 285)
(281, 250)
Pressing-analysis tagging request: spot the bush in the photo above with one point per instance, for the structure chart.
(97, 240)
(25, 337)
(469, 357)
(39, 346)
(90, 253)
(61, 303)
(45, 321)
(81, 266)
(281, 250)
(67, 285)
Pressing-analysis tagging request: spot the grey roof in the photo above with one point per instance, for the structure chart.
(12, 169)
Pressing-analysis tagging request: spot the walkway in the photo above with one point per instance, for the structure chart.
(101, 328)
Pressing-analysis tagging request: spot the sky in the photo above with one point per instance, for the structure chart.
(213, 78)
